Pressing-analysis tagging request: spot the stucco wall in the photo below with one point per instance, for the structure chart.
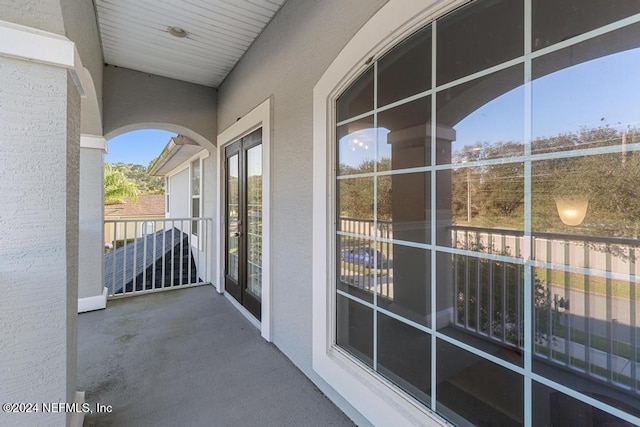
(42, 14)
(285, 63)
(179, 197)
(135, 100)
(39, 141)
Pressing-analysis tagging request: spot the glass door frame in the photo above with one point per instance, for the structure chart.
(238, 287)
(259, 117)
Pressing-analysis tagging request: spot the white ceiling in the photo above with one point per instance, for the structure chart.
(135, 35)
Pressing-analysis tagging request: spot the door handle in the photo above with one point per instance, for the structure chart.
(237, 234)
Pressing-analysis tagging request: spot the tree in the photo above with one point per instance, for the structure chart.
(117, 187)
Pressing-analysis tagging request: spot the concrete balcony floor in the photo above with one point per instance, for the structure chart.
(189, 358)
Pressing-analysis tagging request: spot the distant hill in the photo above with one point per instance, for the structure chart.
(146, 183)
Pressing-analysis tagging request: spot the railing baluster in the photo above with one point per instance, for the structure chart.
(135, 255)
(144, 257)
(633, 327)
(113, 259)
(124, 261)
(587, 310)
(610, 325)
(155, 258)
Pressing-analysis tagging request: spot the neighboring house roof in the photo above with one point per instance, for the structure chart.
(148, 204)
(167, 252)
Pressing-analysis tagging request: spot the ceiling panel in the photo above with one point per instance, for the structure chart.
(135, 35)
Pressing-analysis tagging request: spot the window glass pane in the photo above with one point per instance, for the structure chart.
(482, 208)
(585, 96)
(356, 147)
(355, 205)
(555, 21)
(482, 119)
(404, 207)
(591, 196)
(356, 99)
(553, 408)
(404, 356)
(254, 220)
(357, 266)
(195, 178)
(478, 36)
(405, 137)
(409, 277)
(233, 216)
(355, 329)
(406, 69)
(480, 302)
(195, 212)
(473, 390)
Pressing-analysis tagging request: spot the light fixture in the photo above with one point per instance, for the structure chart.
(572, 209)
(177, 32)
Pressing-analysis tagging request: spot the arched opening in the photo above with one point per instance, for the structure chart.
(157, 231)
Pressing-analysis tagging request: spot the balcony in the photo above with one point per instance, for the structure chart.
(188, 357)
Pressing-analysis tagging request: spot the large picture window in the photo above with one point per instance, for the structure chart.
(487, 214)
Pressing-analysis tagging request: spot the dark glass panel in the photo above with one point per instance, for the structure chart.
(585, 96)
(482, 119)
(553, 408)
(406, 69)
(473, 390)
(480, 302)
(404, 207)
(356, 146)
(404, 356)
(405, 140)
(482, 208)
(356, 99)
(478, 36)
(355, 329)
(555, 21)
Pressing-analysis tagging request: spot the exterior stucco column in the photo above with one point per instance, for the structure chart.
(39, 180)
(92, 295)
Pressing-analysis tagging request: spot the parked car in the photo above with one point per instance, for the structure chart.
(365, 257)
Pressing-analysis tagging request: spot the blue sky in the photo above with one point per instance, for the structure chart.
(138, 147)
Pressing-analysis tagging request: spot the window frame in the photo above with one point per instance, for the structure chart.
(380, 401)
(333, 364)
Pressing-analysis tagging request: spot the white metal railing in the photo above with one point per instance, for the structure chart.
(155, 254)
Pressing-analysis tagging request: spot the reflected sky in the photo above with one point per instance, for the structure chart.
(596, 93)
(359, 147)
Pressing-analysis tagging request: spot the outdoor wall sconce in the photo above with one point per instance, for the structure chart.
(572, 209)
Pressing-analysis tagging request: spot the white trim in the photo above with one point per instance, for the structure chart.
(260, 116)
(94, 142)
(379, 401)
(250, 317)
(203, 154)
(18, 41)
(97, 302)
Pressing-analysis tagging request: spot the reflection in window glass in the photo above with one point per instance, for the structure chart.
(555, 21)
(361, 270)
(406, 69)
(575, 107)
(483, 299)
(357, 99)
(404, 356)
(531, 193)
(588, 196)
(408, 141)
(553, 408)
(355, 205)
(478, 36)
(254, 220)
(485, 209)
(404, 207)
(482, 119)
(355, 328)
(473, 390)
